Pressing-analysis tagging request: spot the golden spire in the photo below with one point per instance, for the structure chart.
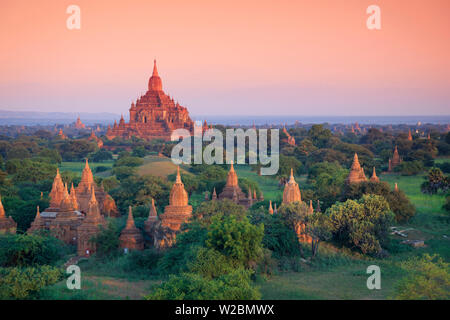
(270, 207)
(93, 200)
(311, 209)
(396, 187)
(153, 212)
(374, 177)
(178, 179)
(155, 70)
(291, 178)
(130, 220)
(232, 178)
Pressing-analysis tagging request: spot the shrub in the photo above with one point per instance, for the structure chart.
(107, 241)
(191, 286)
(237, 239)
(428, 278)
(361, 224)
(142, 261)
(22, 283)
(28, 250)
(398, 201)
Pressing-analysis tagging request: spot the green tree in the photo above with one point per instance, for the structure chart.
(24, 283)
(29, 250)
(191, 286)
(319, 135)
(428, 279)
(101, 155)
(361, 224)
(236, 238)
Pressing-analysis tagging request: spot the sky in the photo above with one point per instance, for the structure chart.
(228, 57)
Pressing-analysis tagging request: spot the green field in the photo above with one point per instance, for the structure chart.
(78, 167)
(159, 166)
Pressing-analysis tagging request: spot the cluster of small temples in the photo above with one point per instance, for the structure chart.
(233, 192)
(74, 215)
(154, 115)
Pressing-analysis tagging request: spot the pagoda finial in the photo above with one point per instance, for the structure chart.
(130, 220)
(93, 199)
(291, 177)
(153, 212)
(178, 179)
(38, 214)
(232, 167)
(270, 207)
(155, 70)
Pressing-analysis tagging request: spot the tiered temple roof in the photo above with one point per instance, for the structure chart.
(291, 191)
(83, 193)
(356, 174)
(154, 115)
(395, 161)
(233, 192)
(131, 237)
(89, 227)
(178, 211)
(374, 177)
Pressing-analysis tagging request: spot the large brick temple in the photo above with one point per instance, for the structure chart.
(153, 116)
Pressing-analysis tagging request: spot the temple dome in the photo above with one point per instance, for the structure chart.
(155, 82)
(291, 191)
(178, 195)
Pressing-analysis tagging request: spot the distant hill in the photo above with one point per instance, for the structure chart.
(49, 118)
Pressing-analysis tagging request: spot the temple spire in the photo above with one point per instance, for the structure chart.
(178, 179)
(374, 177)
(291, 178)
(155, 70)
(130, 220)
(153, 212)
(270, 207)
(93, 200)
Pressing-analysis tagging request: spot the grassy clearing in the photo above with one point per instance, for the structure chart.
(78, 167)
(101, 288)
(161, 167)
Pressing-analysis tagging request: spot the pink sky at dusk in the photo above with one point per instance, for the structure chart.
(228, 57)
